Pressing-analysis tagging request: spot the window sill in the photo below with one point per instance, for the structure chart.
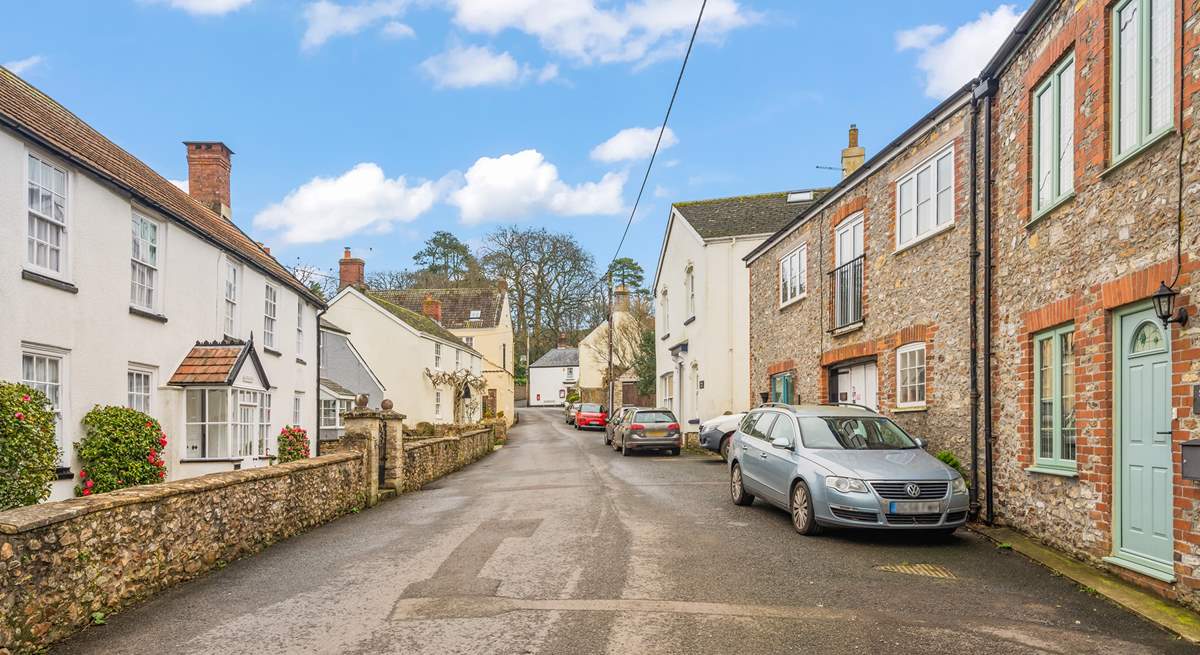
(847, 329)
(665, 337)
(271, 351)
(138, 311)
(910, 409)
(301, 362)
(1048, 470)
(210, 460)
(1043, 213)
(690, 321)
(793, 301)
(64, 473)
(1119, 162)
(922, 239)
(55, 283)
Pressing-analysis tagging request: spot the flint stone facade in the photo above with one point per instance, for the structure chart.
(914, 294)
(1099, 252)
(429, 459)
(62, 561)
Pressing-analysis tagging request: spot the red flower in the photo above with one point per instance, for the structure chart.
(87, 492)
(162, 474)
(19, 416)
(25, 398)
(163, 441)
(150, 458)
(149, 424)
(89, 483)
(82, 474)
(160, 463)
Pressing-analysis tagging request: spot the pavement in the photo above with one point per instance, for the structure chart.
(556, 544)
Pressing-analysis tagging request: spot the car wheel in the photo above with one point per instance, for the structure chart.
(725, 448)
(625, 450)
(674, 452)
(803, 517)
(737, 492)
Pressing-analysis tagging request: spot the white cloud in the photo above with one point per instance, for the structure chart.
(919, 37)
(206, 7)
(361, 199)
(22, 66)
(632, 143)
(327, 20)
(398, 30)
(182, 184)
(548, 72)
(951, 62)
(580, 30)
(462, 67)
(520, 184)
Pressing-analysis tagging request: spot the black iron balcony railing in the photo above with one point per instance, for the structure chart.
(847, 283)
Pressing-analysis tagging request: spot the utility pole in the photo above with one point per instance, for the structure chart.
(611, 392)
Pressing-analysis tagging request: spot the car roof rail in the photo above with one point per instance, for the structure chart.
(780, 405)
(851, 405)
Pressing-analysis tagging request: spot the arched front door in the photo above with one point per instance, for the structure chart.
(1144, 536)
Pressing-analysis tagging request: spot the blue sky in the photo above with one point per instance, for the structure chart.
(373, 123)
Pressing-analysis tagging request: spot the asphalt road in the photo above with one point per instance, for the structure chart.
(556, 544)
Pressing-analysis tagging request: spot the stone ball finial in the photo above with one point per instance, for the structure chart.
(386, 405)
(361, 401)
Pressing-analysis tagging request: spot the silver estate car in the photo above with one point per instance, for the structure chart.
(845, 466)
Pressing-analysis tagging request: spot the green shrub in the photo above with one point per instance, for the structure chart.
(28, 452)
(949, 459)
(122, 448)
(423, 429)
(293, 444)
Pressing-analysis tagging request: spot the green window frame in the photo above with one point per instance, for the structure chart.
(1054, 137)
(1142, 89)
(1054, 401)
(783, 388)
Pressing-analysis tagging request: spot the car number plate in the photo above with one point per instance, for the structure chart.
(656, 433)
(911, 507)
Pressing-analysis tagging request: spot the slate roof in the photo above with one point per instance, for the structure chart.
(558, 358)
(34, 114)
(758, 214)
(457, 304)
(336, 388)
(217, 363)
(419, 321)
(326, 325)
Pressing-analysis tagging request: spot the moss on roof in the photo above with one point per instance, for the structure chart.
(419, 322)
(762, 213)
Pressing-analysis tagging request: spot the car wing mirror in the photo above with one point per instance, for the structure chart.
(782, 443)
(920, 442)
(694, 421)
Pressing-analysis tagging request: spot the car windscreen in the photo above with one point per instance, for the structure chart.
(590, 408)
(853, 433)
(654, 417)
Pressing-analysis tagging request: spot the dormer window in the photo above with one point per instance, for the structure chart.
(475, 315)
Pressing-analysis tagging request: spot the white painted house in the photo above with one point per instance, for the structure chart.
(399, 346)
(553, 376)
(118, 282)
(701, 292)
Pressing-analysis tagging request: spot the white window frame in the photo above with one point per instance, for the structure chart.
(569, 374)
(30, 260)
(470, 341)
(297, 405)
(940, 225)
(905, 356)
(339, 407)
(62, 409)
(264, 424)
(668, 390)
(153, 269)
(1146, 99)
(242, 438)
(666, 312)
(437, 356)
(1058, 165)
(270, 314)
(230, 297)
(457, 359)
(299, 327)
(437, 403)
(141, 393)
(689, 281)
(793, 268)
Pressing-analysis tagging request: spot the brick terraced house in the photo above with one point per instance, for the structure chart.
(1072, 396)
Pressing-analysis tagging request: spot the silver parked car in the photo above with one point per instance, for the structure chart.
(842, 465)
(569, 410)
(648, 429)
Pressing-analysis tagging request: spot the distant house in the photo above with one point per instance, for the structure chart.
(701, 291)
(405, 350)
(344, 375)
(593, 353)
(125, 290)
(553, 376)
(481, 318)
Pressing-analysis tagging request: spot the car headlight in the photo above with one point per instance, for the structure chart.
(845, 485)
(958, 486)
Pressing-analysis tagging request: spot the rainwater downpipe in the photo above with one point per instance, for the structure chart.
(988, 92)
(320, 344)
(973, 260)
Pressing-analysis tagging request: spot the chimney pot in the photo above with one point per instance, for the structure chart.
(209, 164)
(853, 155)
(350, 272)
(432, 307)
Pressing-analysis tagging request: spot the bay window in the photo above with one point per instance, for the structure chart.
(332, 410)
(226, 423)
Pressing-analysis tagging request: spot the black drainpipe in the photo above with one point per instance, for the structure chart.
(317, 450)
(987, 91)
(974, 301)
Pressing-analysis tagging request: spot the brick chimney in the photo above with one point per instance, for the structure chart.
(209, 163)
(432, 307)
(562, 339)
(350, 271)
(853, 156)
(620, 299)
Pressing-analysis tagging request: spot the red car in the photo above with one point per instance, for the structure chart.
(591, 415)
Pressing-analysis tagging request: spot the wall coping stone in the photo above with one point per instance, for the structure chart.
(32, 517)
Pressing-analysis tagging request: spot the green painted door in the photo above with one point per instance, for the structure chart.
(1145, 441)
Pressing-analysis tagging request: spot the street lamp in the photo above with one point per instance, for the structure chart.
(1164, 301)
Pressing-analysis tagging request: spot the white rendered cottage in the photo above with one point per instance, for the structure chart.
(553, 376)
(115, 277)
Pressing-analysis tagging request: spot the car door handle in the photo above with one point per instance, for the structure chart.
(762, 455)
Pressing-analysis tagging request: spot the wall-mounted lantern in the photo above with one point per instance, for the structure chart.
(1164, 307)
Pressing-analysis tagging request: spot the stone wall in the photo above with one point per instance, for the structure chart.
(61, 562)
(1079, 265)
(429, 459)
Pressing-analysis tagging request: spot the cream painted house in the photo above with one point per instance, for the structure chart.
(93, 316)
(400, 346)
(480, 317)
(701, 296)
(593, 353)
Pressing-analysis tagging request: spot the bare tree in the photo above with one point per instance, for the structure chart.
(628, 336)
(321, 283)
